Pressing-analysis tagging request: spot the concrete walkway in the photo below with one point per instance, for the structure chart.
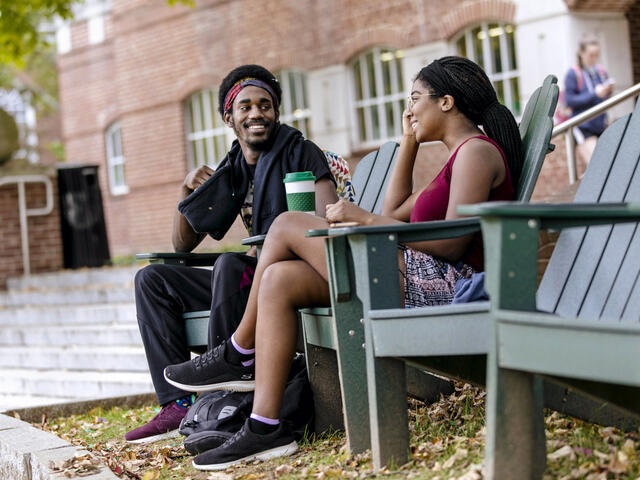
(26, 453)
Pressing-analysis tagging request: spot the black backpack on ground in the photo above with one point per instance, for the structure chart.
(215, 416)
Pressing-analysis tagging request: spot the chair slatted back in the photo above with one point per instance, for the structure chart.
(372, 176)
(536, 126)
(593, 272)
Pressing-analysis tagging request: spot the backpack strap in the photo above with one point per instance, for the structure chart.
(579, 79)
(602, 73)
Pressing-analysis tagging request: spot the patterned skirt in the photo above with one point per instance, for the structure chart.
(430, 281)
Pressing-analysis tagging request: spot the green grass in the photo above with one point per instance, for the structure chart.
(447, 442)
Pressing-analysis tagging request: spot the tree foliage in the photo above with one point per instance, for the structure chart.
(21, 22)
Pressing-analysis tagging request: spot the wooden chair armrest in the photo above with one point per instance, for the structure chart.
(180, 258)
(408, 232)
(255, 240)
(558, 216)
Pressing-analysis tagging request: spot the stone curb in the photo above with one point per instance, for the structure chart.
(25, 451)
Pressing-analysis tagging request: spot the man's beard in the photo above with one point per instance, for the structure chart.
(262, 144)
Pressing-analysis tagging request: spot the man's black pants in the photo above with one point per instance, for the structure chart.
(165, 292)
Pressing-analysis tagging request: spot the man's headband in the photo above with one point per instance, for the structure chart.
(245, 82)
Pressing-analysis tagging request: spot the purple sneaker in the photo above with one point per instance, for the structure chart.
(164, 425)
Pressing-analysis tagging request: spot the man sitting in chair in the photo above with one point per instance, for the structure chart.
(249, 182)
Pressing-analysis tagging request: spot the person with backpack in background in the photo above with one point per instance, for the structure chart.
(586, 85)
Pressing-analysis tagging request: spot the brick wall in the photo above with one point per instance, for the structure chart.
(155, 56)
(45, 242)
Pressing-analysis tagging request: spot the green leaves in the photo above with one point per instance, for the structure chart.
(21, 22)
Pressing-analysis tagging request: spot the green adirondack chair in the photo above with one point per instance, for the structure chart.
(369, 182)
(376, 336)
(583, 327)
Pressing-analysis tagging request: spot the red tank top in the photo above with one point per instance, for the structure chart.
(433, 202)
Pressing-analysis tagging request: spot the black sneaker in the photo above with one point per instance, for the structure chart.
(245, 446)
(210, 371)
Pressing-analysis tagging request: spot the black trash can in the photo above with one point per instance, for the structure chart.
(84, 234)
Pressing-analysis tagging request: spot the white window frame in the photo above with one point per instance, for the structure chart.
(508, 71)
(208, 126)
(115, 159)
(301, 114)
(398, 93)
(20, 107)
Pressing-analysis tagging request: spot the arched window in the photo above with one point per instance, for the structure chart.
(379, 93)
(492, 46)
(295, 110)
(115, 160)
(207, 135)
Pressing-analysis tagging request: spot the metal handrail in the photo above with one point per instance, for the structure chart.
(25, 212)
(566, 127)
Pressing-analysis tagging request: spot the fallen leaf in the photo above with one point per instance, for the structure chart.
(283, 470)
(565, 451)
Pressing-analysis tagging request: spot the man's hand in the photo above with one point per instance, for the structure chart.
(197, 177)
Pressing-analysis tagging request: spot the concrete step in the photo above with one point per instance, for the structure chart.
(10, 402)
(99, 358)
(76, 278)
(65, 383)
(68, 295)
(101, 335)
(97, 313)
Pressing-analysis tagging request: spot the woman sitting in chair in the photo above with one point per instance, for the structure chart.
(449, 99)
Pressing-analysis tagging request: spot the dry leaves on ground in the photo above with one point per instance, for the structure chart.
(81, 465)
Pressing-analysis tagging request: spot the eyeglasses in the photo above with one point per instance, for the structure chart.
(413, 98)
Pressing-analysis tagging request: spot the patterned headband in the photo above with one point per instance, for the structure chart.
(245, 82)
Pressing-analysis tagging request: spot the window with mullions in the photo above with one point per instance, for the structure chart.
(379, 96)
(294, 109)
(207, 135)
(115, 161)
(492, 46)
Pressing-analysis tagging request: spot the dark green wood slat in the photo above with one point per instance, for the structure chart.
(563, 257)
(620, 290)
(592, 354)
(620, 395)
(632, 308)
(615, 189)
(392, 153)
(535, 131)
(360, 177)
(601, 288)
(370, 190)
(527, 115)
(629, 267)
(197, 331)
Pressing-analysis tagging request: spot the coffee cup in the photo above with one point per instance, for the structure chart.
(301, 191)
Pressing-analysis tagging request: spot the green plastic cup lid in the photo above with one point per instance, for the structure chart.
(299, 177)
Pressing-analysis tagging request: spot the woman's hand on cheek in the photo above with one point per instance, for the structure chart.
(345, 211)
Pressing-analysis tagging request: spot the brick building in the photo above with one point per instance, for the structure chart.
(138, 80)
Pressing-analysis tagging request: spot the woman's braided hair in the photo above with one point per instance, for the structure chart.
(476, 98)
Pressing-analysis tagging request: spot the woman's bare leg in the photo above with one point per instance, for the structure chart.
(285, 241)
(286, 286)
